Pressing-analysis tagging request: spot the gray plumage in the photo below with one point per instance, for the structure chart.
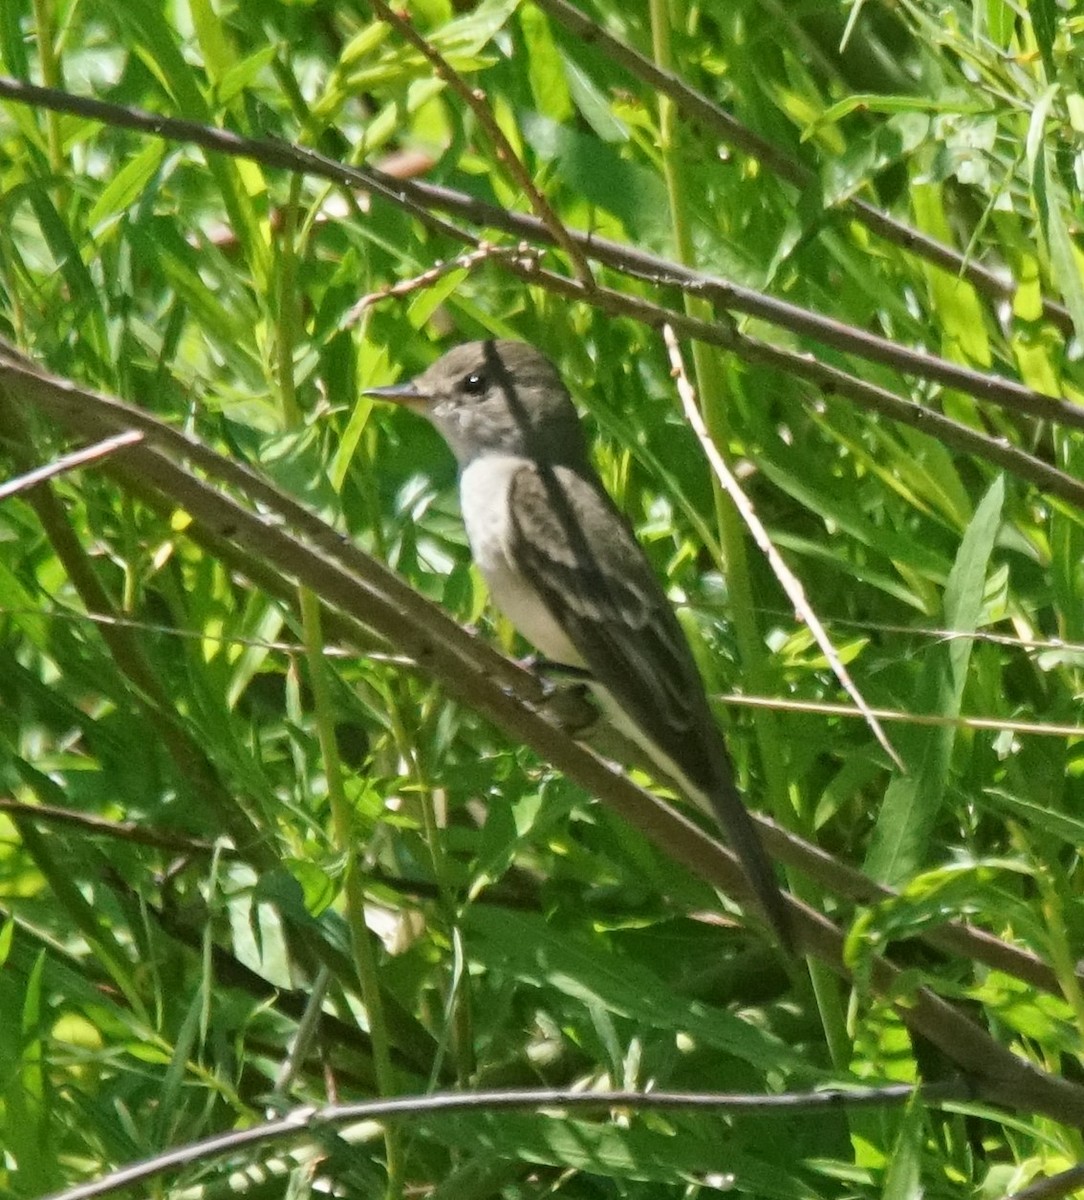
(565, 567)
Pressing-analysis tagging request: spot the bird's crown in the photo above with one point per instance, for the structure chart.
(501, 397)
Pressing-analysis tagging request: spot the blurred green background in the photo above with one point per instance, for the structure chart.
(160, 988)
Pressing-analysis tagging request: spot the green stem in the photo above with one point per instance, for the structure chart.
(362, 939)
(709, 374)
(51, 77)
(1062, 958)
(458, 1005)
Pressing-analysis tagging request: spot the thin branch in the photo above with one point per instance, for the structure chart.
(701, 110)
(1053, 1187)
(790, 583)
(123, 831)
(463, 262)
(823, 708)
(950, 635)
(69, 462)
(475, 99)
(419, 199)
(308, 1122)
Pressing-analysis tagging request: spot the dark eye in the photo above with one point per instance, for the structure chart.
(474, 384)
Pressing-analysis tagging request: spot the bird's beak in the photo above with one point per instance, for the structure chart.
(407, 394)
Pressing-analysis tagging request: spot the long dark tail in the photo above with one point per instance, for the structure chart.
(744, 840)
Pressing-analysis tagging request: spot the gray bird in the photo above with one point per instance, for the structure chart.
(564, 566)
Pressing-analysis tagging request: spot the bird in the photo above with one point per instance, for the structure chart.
(563, 564)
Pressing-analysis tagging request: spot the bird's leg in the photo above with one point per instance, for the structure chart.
(569, 702)
(548, 670)
(566, 699)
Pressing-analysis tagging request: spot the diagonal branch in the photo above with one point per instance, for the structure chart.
(421, 199)
(790, 583)
(476, 101)
(703, 111)
(310, 1123)
(999, 1076)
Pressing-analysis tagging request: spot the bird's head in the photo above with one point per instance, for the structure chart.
(495, 397)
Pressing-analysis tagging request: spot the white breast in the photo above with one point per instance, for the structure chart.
(483, 496)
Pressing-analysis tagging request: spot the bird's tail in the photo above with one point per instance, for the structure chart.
(742, 836)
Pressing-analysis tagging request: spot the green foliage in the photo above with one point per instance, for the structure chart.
(203, 804)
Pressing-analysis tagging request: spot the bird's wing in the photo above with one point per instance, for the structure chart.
(581, 555)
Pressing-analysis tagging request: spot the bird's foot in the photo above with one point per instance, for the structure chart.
(553, 674)
(570, 707)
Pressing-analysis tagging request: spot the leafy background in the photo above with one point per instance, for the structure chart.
(207, 793)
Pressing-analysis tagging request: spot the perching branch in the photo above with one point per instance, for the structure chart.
(367, 600)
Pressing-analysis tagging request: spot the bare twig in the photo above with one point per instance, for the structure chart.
(123, 831)
(420, 199)
(309, 1122)
(69, 462)
(1053, 1187)
(701, 110)
(463, 262)
(790, 583)
(994, 724)
(475, 99)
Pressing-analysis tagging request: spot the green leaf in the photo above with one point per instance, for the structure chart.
(525, 947)
(595, 170)
(912, 804)
(592, 104)
(128, 184)
(905, 1166)
(1039, 816)
(1000, 22)
(295, 460)
(1066, 260)
(961, 315)
(545, 66)
(1044, 24)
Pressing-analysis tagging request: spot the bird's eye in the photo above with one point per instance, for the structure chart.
(474, 383)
